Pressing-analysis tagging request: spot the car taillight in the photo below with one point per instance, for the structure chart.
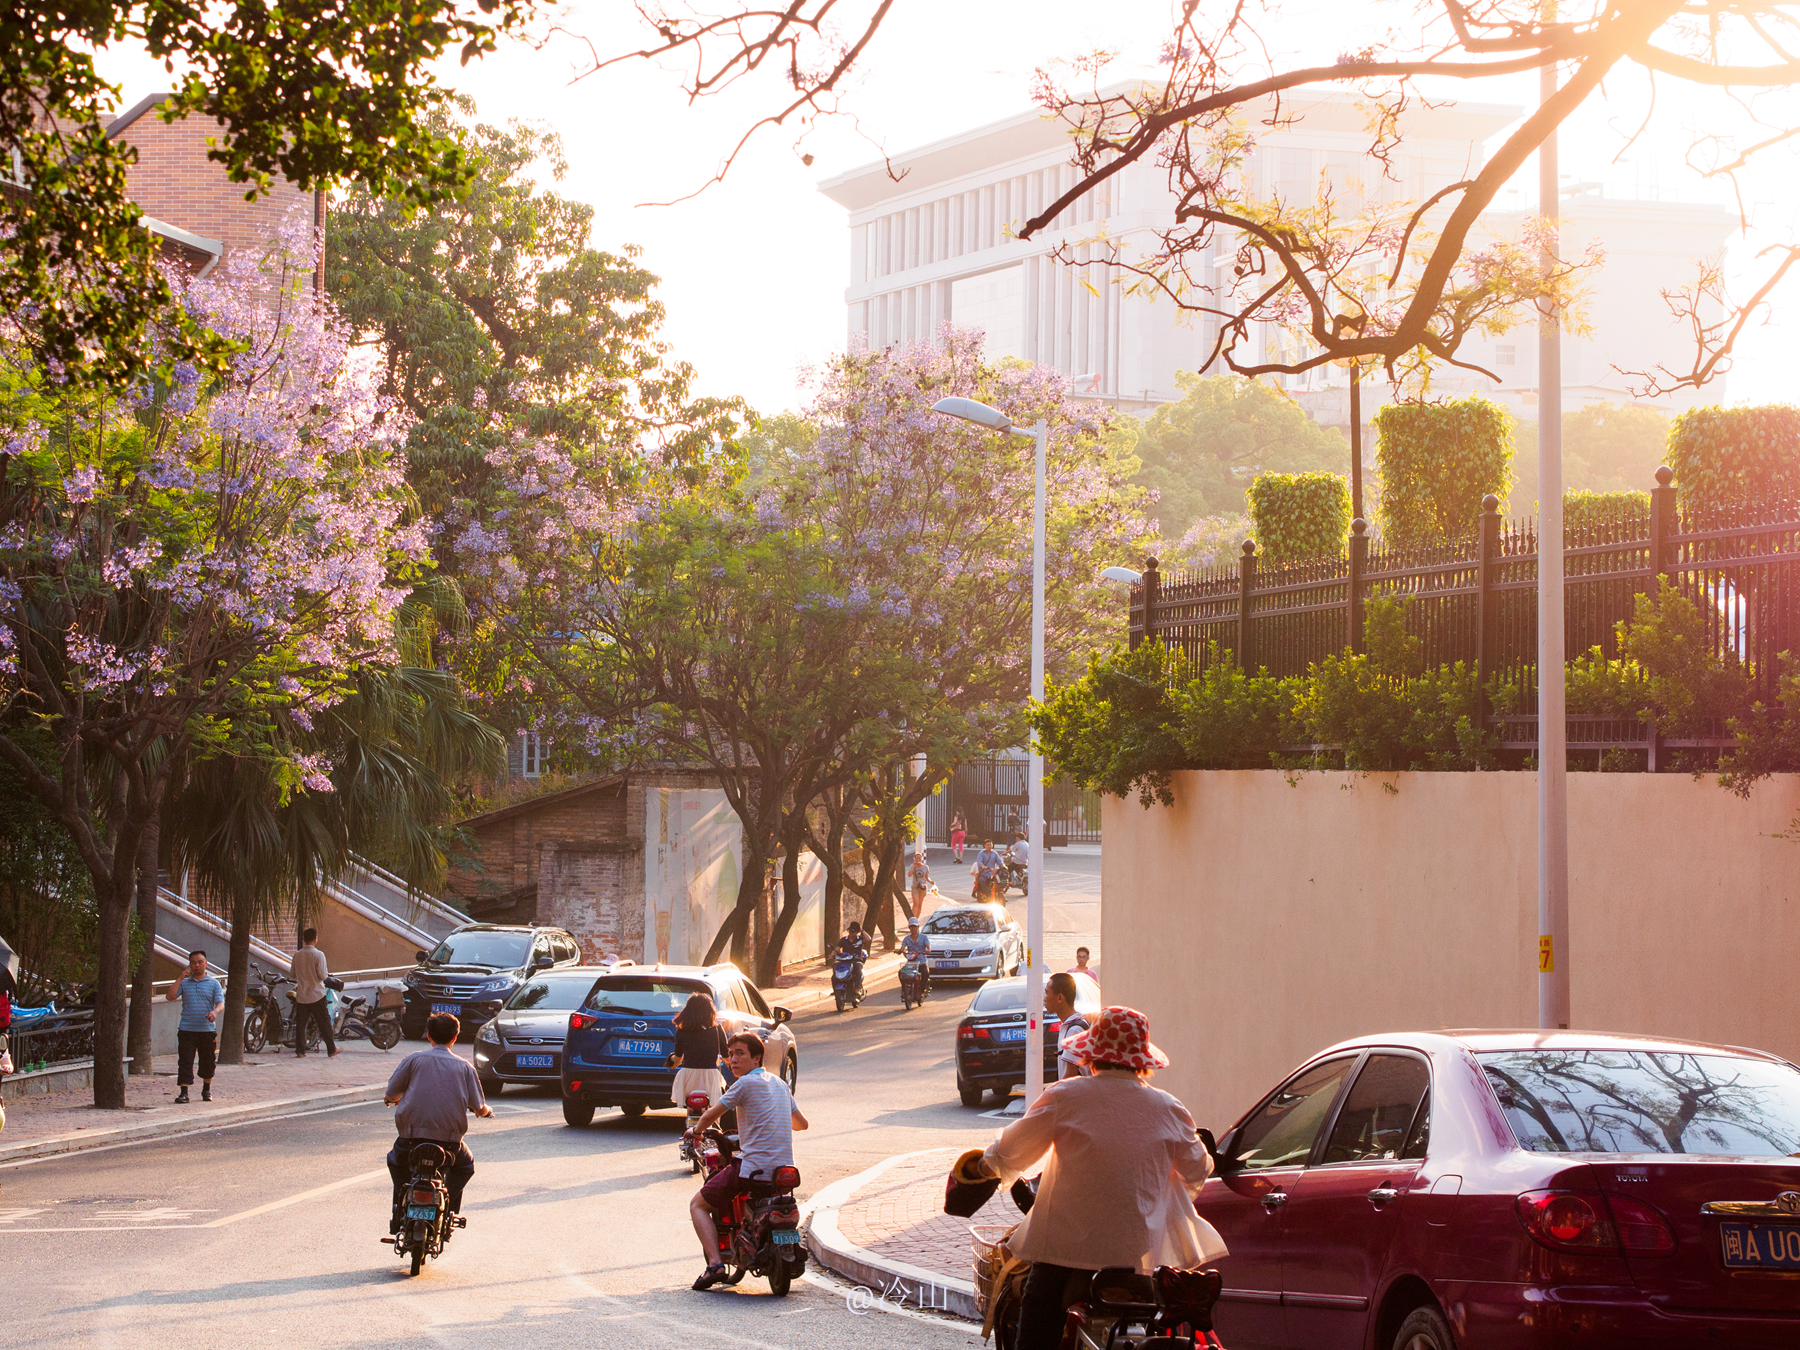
(1642, 1231)
(579, 1023)
(972, 1034)
(1566, 1221)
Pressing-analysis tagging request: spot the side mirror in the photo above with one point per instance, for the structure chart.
(421, 956)
(783, 1015)
(542, 961)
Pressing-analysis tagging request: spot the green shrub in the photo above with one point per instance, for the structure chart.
(1582, 510)
(1300, 515)
(1735, 454)
(1437, 461)
(1227, 719)
(1113, 730)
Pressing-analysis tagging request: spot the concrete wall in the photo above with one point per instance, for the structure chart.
(1263, 917)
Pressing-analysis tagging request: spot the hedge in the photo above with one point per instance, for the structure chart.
(1724, 455)
(1300, 515)
(1437, 461)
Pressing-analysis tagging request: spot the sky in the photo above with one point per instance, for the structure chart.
(754, 269)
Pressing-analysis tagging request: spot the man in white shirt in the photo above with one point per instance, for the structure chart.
(1059, 1002)
(310, 973)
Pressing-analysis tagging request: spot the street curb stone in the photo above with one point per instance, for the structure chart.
(891, 1279)
(83, 1140)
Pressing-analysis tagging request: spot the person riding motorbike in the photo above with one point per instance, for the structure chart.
(1018, 858)
(1124, 1164)
(766, 1120)
(434, 1092)
(916, 947)
(854, 942)
(987, 871)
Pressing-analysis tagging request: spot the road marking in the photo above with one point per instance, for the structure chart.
(139, 1221)
(183, 1134)
(296, 1199)
(141, 1216)
(868, 1049)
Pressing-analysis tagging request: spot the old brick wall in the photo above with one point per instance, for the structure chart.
(583, 889)
(174, 182)
(510, 844)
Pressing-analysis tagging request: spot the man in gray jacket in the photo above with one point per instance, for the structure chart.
(310, 974)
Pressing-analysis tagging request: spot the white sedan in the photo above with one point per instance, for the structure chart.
(974, 942)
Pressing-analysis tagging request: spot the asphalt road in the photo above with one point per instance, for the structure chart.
(268, 1233)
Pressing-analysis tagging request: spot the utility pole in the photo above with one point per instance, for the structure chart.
(1552, 757)
(1356, 507)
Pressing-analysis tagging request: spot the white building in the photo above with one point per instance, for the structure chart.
(938, 245)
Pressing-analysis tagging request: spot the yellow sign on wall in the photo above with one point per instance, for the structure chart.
(1546, 954)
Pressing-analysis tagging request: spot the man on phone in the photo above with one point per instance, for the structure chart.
(197, 1034)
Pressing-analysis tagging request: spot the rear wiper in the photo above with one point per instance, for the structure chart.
(635, 1012)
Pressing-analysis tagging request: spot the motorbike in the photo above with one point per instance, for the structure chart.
(1015, 877)
(915, 983)
(358, 1019)
(691, 1150)
(423, 1211)
(760, 1234)
(264, 1017)
(271, 1018)
(847, 979)
(1172, 1307)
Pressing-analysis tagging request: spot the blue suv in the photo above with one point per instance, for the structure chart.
(621, 1037)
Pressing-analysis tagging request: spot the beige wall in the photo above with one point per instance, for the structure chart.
(1257, 922)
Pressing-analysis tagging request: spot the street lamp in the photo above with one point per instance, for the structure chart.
(994, 420)
(1124, 574)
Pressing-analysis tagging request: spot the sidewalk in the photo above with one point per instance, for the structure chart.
(886, 1229)
(808, 984)
(264, 1085)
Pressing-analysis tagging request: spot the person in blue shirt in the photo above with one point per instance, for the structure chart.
(202, 1000)
(916, 946)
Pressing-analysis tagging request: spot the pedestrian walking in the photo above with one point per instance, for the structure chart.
(1122, 1164)
(310, 973)
(959, 835)
(1081, 966)
(699, 1046)
(919, 875)
(197, 1034)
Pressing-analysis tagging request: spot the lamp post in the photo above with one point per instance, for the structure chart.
(994, 420)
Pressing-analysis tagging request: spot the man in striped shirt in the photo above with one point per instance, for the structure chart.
(202, 999)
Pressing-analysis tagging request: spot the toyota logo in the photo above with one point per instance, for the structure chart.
(1789, 1202)
(645, 1026)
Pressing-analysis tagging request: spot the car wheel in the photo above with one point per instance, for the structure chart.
(1424, 1329)
(971, 1094)
(578, 1113)
(634, 1109)
(790, 1071)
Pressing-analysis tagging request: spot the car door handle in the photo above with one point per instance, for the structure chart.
(1381, 1195)
(1274, 1200)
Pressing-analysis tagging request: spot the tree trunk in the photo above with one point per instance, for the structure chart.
(138, 1038)
(769, 968)
(237, 984)
(113, 981)
(833, 915)
(736, 927)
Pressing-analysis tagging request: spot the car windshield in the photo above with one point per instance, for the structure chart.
(999, 997)
(961, 921)
(1639, 1101)
(646, 995)
(549, 994)
(496, 951)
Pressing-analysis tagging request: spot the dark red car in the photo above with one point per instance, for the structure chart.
(1499, 1189)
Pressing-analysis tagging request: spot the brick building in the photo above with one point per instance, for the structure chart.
(188, 200)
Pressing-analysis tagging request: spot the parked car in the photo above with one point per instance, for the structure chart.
(523, 1043)
(990, 1038)
(474, 970)
(1502, 1189)
(974, 942)
(624, 1031)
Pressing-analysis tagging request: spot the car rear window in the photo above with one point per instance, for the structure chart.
(1636, 1101)
(961, 921)
(646, 995)
(550, 994)
(998, 998)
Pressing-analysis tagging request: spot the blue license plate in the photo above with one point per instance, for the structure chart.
(454, 1009)
(1761, 1246)
(426, 1212)
(786, 1237)
(1009, 1033)
(940, 964)
(636, 1047)
(534, 1061)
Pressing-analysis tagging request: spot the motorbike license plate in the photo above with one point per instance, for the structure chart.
(786, 1237)
(454, 1009)
(1009, 1033)
(534, 1061)
(637, 1047)
(1761, 1246)
(427, 1212)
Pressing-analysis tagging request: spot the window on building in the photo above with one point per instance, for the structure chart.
(531, 754)
(1506, 354)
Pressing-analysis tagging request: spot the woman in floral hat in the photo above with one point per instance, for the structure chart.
(1124, 1164)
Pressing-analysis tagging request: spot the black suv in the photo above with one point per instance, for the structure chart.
(477, 968)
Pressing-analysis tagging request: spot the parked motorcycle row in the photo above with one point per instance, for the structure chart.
(270, 1018)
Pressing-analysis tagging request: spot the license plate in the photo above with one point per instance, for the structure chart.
(454, 1009)
(1009, 1033)
(945, 965)
(534, 1061)
(636, 1047)
(786, 1237)
(426, 1212)
(1761, 1246)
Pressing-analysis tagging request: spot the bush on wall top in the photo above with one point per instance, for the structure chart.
(1584, 510)
(1300, 515)
(1437, 461)
(1735, 454)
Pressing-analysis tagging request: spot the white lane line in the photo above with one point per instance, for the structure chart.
(183, 1134)
(867, 1049)
(216, 1223)
(296, 1199)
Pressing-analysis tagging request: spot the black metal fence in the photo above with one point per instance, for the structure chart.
(992, 795)
(56, 1039)
(1475, 600)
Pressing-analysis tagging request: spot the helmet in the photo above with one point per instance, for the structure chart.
(913, 922)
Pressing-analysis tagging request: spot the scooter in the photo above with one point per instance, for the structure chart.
(760, 1233)
(358, 1019)
(1016, 877)
(847, 979)
(422, 1213)
(691, 1149)
(915, 984)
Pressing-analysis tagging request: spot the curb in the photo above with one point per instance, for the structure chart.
(58, 1144)
(888, 1278)
(875, 970)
